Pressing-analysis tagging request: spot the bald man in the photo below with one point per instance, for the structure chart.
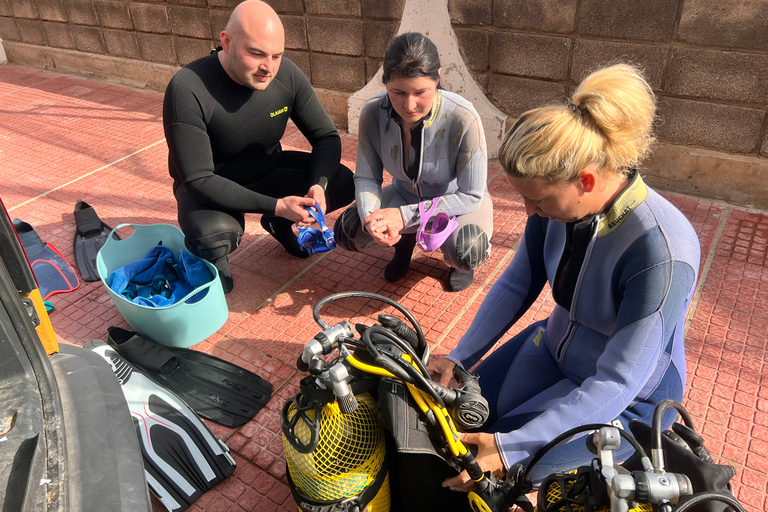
(224, 116)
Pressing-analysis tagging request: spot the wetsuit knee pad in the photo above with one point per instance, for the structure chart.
(472, 247)
(347, 227)
(215, 246)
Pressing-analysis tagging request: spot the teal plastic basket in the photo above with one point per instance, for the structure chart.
(180, 324)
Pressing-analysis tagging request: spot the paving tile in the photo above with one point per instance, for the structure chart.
(65, 138)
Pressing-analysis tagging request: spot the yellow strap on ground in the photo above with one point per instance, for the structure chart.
(45, 329)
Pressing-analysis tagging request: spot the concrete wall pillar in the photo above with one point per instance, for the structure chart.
(431, 18)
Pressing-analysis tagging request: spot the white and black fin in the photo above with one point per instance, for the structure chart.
(182, 458)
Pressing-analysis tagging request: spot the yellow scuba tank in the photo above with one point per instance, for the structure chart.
(336, 450)
(568, 492)
(335, 460)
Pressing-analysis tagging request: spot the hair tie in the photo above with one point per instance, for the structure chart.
(579, 109)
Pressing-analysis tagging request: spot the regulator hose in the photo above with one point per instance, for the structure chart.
(577, 430)
(698, 499)
(374, 296)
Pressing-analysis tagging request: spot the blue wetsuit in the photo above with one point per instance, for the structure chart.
(611, 349)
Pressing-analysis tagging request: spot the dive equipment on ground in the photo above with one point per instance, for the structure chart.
(607, 485)
(391, 349)
(90, 236)
(52, 271)
(442, 227)
(214, 388)
(316, 240)
(182, 458)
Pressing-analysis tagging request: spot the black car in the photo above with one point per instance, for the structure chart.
(67, 441)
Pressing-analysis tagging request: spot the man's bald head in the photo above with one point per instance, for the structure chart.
(255, 16)
(253, 44)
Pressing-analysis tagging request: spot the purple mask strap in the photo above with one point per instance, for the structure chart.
(425, 216)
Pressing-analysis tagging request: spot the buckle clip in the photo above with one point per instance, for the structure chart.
(316, 240)
(442, 227)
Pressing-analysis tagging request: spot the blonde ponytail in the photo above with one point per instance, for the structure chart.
(608, 123)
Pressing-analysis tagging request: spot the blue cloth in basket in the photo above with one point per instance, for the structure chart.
(160, 280)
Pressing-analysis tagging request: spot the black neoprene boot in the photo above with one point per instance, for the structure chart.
(225, 274)
(281, 230)
(398, 266)
(460, 279)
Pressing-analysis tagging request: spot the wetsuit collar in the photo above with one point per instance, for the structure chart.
(435, 109)
(624, 204)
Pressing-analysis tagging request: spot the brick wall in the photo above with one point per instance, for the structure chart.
(171, 33)
(338, 44)
(706, 59)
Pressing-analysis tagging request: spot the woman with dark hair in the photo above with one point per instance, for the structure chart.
(622, 264)
(432, 143)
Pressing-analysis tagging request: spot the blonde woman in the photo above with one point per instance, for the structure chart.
(622, 264)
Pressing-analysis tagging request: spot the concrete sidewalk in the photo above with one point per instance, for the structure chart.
(64, 138)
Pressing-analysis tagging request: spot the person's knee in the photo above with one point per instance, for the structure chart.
(341, 189)
(346, 228)
(214, 247)
(472, 247)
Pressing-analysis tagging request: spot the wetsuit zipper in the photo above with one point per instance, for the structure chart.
(421, 163)
(564, 343)
(405, 166)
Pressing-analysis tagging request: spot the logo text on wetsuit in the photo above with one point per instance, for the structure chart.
(278, 112)
(623, 214)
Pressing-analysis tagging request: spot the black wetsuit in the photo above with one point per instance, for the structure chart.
(225, 156)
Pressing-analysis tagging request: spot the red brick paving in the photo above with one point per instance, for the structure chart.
(64, 138)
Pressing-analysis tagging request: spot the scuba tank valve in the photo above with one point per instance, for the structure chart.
(324, 343)
(654, 485)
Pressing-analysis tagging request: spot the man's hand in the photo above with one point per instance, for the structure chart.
(292, 208)
(441, 368)
(488, 457)
(384, 226)
(317, 194)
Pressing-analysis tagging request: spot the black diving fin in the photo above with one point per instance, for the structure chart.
(90, 235)
(182, 458)
(214, 388)
(52, 271)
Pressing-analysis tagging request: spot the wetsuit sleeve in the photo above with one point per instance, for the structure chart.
(654, 301)
(508, 299)
(189, 147)
(471, 176)
(313, 122)
(369, 170)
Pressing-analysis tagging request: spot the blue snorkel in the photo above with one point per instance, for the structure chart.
(316, 240)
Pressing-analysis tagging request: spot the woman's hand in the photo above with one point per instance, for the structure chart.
(488, 457)
(441, 368)
(384, 226)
